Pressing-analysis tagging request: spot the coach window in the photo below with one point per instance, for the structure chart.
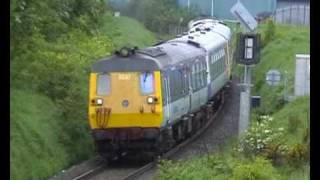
(146, 82)
(222, 63)
(211, 66)
(198, 75)
(201, 74)
(103, 84)
(204, 73)
(193, 76)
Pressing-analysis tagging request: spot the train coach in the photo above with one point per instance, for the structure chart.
(147, 100)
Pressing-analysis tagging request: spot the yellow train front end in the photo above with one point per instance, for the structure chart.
(125, 100)
(125, 110)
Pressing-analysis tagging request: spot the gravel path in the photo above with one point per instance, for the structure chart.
(224, 127)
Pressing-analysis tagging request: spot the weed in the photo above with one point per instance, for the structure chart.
(293, 123)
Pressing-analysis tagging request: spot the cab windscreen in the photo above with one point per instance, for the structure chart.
(146, 82)
(103, 84)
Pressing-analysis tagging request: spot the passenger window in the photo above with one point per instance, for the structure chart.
(103, 84)
(146, 82)
(201, 74)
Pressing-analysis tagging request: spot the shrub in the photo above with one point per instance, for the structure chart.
(218, 165)
(293, 123)
(270, 32)
(298, 154)
(260, 169)
(259, 135)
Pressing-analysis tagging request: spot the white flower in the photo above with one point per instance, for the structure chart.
(263, 117)
(281, 129)
(267, 131)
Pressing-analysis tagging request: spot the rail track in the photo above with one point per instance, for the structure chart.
(132, 172)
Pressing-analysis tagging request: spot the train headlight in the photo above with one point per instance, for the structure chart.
(151, 100)
(99, 101)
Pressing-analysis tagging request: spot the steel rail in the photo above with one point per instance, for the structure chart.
(89, 173)
(170, 153)
(136, 173)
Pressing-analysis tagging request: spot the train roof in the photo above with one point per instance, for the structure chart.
(203, 36)
(208, 33)
(151, 58)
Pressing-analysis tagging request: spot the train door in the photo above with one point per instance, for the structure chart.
(189, 86)
(185, 87)
(194, 82)
(166, 94)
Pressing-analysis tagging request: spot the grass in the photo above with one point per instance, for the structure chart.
(295, 119)
(279, 54)
(35, 149)
(125, 31)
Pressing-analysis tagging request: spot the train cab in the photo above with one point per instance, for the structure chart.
(125, 101)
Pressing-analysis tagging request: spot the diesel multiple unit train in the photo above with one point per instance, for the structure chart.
(146, 100)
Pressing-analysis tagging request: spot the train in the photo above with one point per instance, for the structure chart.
(147, 100)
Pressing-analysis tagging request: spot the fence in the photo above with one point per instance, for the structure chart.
(297, 15)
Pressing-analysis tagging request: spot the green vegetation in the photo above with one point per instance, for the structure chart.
(269, 150)
(36, 149)
(277, 143)
(125, 31)
(220, 166)
(279, 54)
(53, 45)
(159, 15)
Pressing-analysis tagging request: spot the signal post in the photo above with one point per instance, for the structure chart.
(247, 54)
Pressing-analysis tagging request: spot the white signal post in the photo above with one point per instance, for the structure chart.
(247, 20)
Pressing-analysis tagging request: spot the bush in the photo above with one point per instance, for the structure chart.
(218, 167)
(260, 169)
(259, 136)
(298, 154)
(293, 123)
(158, 15)
(270, 32)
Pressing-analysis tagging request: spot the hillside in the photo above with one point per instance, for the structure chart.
(279, 54)
(125, 31)
(48, 100)
(277, 143)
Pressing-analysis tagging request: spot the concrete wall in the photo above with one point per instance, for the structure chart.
(302, 75)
